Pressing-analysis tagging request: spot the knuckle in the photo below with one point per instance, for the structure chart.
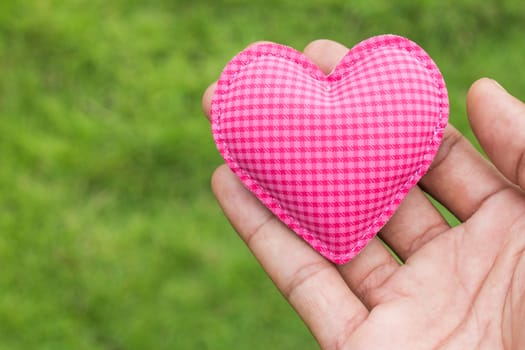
(303, 275)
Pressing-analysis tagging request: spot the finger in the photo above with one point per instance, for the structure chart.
(498, 121)
(325, 53)
(374, 264)
(415, 223)
(206, 99)
(310, 283)
(366, 272)
(460, 178)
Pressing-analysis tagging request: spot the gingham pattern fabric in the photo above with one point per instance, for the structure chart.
(331, 156)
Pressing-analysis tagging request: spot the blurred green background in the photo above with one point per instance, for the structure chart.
(109, 235)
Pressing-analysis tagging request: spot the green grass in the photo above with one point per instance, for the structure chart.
(109, 235)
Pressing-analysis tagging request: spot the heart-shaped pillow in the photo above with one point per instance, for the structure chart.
(332, 156)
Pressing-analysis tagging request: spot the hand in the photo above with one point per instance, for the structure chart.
(459, 288)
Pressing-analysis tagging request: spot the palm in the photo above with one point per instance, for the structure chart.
(450, 294)
(459, 288)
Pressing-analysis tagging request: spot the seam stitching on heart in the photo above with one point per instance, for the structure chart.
(425, 62)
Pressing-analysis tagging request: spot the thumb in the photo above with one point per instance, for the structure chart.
(498, 121)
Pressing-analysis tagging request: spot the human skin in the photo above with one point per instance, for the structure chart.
(459, 288)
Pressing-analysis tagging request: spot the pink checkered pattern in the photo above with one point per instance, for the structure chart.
(331, 156)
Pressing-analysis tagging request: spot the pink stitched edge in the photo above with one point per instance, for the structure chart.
(248, 56)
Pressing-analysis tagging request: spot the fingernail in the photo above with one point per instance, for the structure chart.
(498, 85)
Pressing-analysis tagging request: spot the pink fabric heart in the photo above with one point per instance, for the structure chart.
(331, 156)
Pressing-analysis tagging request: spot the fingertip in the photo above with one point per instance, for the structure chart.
(485, 83)
(480, 93)
(233, 196)
(218, 179)
(497, 119)
(325, 53)
(206, 100)
(491, 110)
